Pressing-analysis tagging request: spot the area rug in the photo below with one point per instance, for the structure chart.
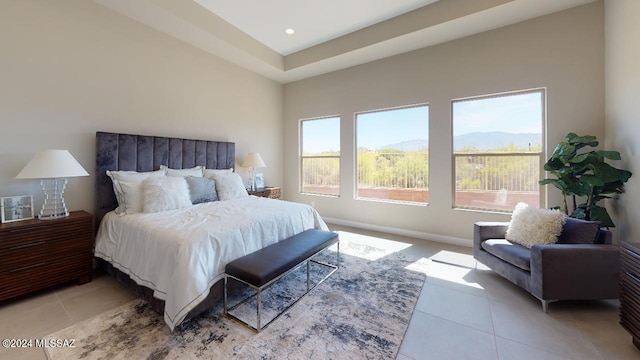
(360, 312)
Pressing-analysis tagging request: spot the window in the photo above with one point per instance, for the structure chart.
(320, 144)
(497, 150)
(393, 154)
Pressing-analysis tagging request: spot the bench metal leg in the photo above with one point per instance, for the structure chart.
(308, 271)
(225, 293)
(259, 309)
(258, 294)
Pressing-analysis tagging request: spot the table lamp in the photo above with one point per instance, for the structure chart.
(253, 161)
(53, 167)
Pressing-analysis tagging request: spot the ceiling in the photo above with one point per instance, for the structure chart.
(314, 21)
(329, 34)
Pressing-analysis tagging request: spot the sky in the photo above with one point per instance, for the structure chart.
(515, 114)
(321, 135)
(518, 113)
(376, 129)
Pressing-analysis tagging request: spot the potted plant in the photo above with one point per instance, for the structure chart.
(585, 173)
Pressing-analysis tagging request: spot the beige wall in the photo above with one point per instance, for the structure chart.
(72, 67)
(623, 107)
(563, 52)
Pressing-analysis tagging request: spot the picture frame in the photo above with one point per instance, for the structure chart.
(16, 208)
(259, 180)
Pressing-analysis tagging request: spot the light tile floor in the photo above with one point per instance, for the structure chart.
(465, 311)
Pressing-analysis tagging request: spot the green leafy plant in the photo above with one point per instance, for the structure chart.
(585, 174)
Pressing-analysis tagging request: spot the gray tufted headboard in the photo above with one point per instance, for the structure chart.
(147, 153)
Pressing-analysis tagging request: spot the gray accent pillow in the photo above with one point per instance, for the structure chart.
(576, 231)
(201, 189)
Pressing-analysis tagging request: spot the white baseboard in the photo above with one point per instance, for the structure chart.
(403, 232)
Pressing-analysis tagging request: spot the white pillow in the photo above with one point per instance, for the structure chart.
(129, 177)
(134, 176)
(194, 171)
(229, 186)
(210, 173)
(130, 196)
(533, 226)
(165, 193)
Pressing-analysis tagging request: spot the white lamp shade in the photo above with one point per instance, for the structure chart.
(253, 160)
(50, 164)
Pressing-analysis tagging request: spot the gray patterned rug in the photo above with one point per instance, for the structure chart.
(360, 312)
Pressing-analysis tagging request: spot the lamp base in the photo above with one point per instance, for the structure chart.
(52, 216)
(53, 206)
(252, 179)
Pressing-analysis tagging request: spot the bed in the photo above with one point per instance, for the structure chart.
(175, 258)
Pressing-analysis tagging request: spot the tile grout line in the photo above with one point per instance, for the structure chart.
(455, 322)
(63, 307)
(493, 326)
(582, 332)
(529, 345)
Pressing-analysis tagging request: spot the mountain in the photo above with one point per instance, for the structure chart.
(482, 141)
(410, 145)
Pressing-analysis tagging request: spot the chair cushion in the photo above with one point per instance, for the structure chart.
(576, 231)
(512, 253)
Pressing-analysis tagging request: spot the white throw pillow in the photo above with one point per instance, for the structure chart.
(165, 193)
(210, 173)
(533, 226)
(194, 171)
(130, 200)
(229, 186)
(130, 178)
(134, 176)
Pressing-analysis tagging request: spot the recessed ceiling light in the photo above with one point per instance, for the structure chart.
(290, 31)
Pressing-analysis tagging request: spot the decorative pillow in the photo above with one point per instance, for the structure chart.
(134, 176)
(129, 177)
(130, 196)
(230, 186)
(201, 189)
(197, 171)
(533, 226)
(576, 231)
(212, 172)
(166, 193)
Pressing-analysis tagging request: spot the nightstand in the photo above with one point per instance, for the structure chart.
(35, 254)
(630, 289)
(268, 192)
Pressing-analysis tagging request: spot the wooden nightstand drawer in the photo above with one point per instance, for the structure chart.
(41, 250)
(630, 289)
(44, 273)
(38, 253)
(56, 232)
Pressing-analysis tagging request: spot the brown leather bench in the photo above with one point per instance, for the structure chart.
(262, 268)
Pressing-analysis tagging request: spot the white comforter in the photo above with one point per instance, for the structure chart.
(181, 253)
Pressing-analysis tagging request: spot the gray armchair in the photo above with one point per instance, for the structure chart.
(582, 265)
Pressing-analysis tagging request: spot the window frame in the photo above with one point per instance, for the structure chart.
(355, 154)
(542, 190)
(301, 156)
